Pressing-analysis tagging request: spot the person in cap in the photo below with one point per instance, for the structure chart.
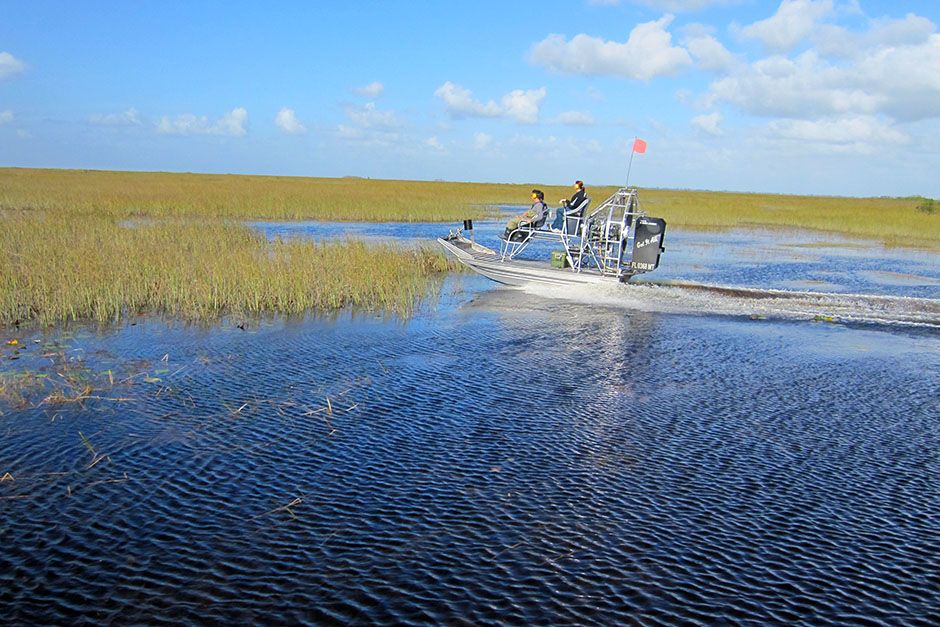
(533, 214)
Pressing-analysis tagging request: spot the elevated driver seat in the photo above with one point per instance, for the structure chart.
(574, 217)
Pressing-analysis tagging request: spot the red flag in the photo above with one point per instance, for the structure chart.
(639, 146)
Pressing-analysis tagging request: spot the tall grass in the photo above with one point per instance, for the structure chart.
(57, 268)
(895, 221)
(78, 244)
(157, 194)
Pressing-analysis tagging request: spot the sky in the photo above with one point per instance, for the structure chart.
(835, 97)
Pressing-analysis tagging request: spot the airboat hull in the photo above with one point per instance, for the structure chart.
(610, 244)
(518, 273)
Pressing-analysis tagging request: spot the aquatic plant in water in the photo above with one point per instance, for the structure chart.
(57, 268)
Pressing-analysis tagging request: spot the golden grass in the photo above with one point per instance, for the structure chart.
(71, 248)
(158, 194)
(57, 268)
(894, 221)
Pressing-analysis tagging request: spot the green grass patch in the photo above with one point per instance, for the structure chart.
(56, 268)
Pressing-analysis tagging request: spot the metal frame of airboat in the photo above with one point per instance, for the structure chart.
(604, 238)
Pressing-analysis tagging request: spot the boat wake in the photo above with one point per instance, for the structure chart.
(702, 298)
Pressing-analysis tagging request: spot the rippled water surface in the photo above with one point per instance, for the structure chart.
(501, 457)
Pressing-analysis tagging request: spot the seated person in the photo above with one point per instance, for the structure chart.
(569, 206)
(533, 214)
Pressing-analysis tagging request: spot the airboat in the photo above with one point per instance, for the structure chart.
(613, 243)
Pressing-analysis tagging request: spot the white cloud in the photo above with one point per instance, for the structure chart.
(372, 90)
(434, 144)
(371, 127)
(523, 105)
(793, 22)
(709, 53)
(232, 124)
(459, 102)
(778, 86)
(10, 66)
(837, 41)
(904, 79)
(368, 116)
(348, 132)
(850, 134)
(647, 53)
(902, 82)
(575, 118)
(6, 117)
(287, 121)
(128, 118)
(708, 123)
(482, 141)
(520, 105)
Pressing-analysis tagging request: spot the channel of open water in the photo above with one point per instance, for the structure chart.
(677, 451)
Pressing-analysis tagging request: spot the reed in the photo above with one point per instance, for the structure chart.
(56, 268)
(158, 194)
(894, 221)
(78, 244)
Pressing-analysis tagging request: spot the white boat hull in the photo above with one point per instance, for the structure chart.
(518, 273)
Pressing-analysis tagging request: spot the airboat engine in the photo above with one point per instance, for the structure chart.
(647, 244)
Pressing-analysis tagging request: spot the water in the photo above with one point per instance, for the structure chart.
(789, 260)
(501, 457)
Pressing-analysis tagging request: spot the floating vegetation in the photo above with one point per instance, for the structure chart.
(95, 455)
(60, 380)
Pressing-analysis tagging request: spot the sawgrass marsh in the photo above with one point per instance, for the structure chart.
(894, 221)
(56, 268)
(80, 244)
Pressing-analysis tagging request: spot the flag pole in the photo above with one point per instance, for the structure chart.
(630, 167)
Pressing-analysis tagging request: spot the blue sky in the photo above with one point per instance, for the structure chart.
(799, 96)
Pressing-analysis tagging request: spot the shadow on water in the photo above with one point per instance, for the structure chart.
(499, 457)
